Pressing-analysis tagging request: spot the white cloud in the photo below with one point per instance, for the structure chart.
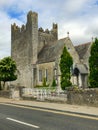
(79, 17)
(74, 5)
(76, 31)
(6, 3)
(92, 28)
(5, 34)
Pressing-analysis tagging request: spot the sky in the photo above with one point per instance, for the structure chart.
(78, 17)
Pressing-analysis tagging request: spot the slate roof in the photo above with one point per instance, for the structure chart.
(82, 49)
(50, 52)
(82, 68)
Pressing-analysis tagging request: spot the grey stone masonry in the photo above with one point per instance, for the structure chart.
(26, 42)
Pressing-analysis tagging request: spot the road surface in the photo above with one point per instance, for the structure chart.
(13, 117)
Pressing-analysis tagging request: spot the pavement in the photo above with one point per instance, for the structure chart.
(88, 110)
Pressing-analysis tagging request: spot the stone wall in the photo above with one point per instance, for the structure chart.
(72, 51)
(50, 73)
(47, 36)
(26, 42)
(5, 94)
(83, 97)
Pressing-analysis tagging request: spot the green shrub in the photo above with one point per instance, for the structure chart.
(66, 63)
(54, 83)
(44, 82)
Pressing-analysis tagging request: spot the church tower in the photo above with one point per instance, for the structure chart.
(32, 29)
(24, 49)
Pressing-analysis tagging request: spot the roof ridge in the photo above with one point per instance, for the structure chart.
(62, 38)
(83, 44)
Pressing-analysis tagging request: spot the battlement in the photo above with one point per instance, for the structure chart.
(31, 14)
(53, 31)
(32, 23)
(17, 31)
(16, 28)
(54, 27)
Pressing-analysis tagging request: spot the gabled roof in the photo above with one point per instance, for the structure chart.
(50, 52)
(82, 49)
(82, 68)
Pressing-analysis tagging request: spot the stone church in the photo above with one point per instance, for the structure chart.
(37, 54)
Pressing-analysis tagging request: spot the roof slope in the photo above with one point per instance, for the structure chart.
(82, 68)
(82, 49)
(50, 52)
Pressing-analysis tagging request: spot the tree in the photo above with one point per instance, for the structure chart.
(93, 64)
(65, 65)
(7, 70)
(44, 82)
(54, 83)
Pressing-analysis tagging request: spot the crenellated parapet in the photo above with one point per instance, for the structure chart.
(31, 16)
(17, 31)
(32, 21)
(15, 28)
(53, 32)
(33, 36)
(41, 29)
(23, 28)
(55, 26)
(47, 36)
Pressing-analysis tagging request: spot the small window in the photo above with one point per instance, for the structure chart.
(46, 74)
(40, 75)
(44, 42)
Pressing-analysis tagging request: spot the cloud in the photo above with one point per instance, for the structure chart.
(75, 5)
(92, 28)
(79, 17)
(5, 34)
(76, 31)
(4, 3)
